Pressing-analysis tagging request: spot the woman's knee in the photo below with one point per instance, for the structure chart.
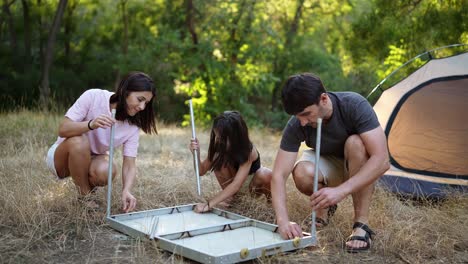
(78, 144)
(98, 174)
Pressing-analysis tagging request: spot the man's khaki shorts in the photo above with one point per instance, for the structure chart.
(331, 167)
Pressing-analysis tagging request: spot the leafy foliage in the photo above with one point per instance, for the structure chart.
(231, 54)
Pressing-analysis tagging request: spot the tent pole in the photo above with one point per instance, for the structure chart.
(317, 158)
(431, 57)
(195, 153)
(111, 157)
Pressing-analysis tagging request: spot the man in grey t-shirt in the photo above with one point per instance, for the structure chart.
(353, 155)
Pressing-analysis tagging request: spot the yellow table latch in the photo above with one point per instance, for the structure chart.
(244, 253)
(296, 242)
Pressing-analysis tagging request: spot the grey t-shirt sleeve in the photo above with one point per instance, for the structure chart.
(362, 115)
(293, 136)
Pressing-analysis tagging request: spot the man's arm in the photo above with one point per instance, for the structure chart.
(378, 162)
(284, 163)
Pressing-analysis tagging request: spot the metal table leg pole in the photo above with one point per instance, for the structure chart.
(316, 173)
(111, 158)
(195, 154)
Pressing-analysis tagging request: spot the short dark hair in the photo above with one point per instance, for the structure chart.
(231, 128)
(135, 82)
(300, 91)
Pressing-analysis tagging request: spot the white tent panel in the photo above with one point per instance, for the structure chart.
(436, 68)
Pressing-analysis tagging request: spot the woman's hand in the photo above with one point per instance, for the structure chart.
(128, 202)
(102, 121)
(202, 208)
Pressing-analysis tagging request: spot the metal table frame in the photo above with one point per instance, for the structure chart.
(232, 223)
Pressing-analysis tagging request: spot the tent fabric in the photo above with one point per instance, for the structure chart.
(425, 119)
(420, 188)
(430, 130)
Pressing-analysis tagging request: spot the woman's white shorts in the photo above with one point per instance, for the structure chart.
(50, 160)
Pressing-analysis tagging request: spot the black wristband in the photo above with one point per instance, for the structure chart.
(89, 125)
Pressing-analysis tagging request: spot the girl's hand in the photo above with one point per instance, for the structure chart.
(202, 208)
(194, 145)
(102, 121)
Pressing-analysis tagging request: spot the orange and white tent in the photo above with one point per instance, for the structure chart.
(425, 118)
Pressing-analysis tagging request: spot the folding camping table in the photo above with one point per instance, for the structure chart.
(217, 236)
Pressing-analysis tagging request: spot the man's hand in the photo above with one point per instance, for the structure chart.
(128, 201)
(326, 197)
(289, 230)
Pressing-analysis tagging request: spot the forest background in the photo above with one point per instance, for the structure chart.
(230, 54)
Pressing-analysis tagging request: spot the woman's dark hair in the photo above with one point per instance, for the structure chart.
(232, 147)
(135, 82)
(300, 91)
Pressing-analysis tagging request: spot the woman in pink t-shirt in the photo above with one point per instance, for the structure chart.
(81, 150)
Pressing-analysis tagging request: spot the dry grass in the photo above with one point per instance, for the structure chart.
(42, 223)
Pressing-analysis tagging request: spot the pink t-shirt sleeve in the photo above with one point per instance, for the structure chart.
(95, 102)
(130, 147)
(81, 107)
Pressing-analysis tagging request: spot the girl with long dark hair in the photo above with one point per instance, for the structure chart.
(232, 157)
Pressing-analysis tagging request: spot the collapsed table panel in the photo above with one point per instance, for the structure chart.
(175, 219)
(215, 237)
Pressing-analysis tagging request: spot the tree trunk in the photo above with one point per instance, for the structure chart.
(125, 25)
(123, 6)
(190, 21)
(280, 61)
(233, 36)
(27, 32)
(11, 25)
(68, 29)
(44, 88)
(2, 20)
(39, 21)
(246, 7)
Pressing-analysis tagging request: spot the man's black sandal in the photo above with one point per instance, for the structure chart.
(330, 213)
(367, 238)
